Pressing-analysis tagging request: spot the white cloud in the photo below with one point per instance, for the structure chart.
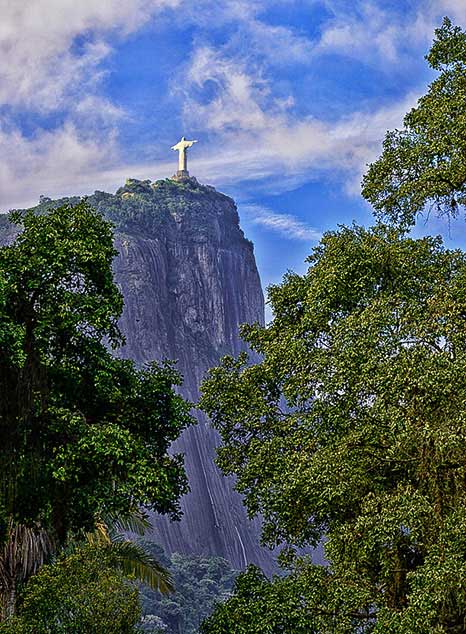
(286, 225)
(208, 12)
(236, 103)
(377, 35)
(369, 35)
(52, 163)
(279, 44)
(455, 9)
(37, 38)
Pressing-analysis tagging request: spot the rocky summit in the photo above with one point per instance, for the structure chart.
(189, 278)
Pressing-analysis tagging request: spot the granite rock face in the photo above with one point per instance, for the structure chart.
(189, 278)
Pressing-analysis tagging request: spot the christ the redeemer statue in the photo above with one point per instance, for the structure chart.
(182, 148)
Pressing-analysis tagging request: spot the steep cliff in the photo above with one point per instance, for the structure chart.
(189, 278)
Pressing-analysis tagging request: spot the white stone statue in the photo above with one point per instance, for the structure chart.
(182, 148)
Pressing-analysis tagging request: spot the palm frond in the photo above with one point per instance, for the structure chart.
(134, 561)
(111, 528)
(27, 548)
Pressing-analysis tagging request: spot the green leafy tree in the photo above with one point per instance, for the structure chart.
(83, 433)
(353, 429)
(298, 603)
(107, 547)
(423, 166)
(81, 593)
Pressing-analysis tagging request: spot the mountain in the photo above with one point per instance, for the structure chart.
(189, 278)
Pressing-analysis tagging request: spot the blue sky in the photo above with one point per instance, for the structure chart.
(289, 99)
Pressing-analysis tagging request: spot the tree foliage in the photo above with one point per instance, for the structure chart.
(423, 166)
(353, 429)
(84, 434)
(81, 593)
(284, 605)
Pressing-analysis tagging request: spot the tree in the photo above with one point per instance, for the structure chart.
(81, 593)
(352, 428)
(25, 550)
(106, 595)
(258, 605)
(84, 434)
(423, 166)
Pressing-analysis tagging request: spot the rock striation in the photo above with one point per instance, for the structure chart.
(189, 278)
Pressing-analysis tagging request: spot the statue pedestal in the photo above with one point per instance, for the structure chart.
(183, 175)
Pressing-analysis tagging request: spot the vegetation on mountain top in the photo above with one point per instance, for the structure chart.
(154, 209)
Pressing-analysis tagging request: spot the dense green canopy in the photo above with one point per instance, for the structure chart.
(353, 429)
(83, 433)
(82, 593)
(200, 582)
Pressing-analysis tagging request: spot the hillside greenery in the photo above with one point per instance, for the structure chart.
(200, 583)
(157, 209)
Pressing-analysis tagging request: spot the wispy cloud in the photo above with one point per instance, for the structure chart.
(372, 34)
(456, 9)
(57, 162)
(257, 136)
(286, 225)
(379, 35)
(53, 54)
